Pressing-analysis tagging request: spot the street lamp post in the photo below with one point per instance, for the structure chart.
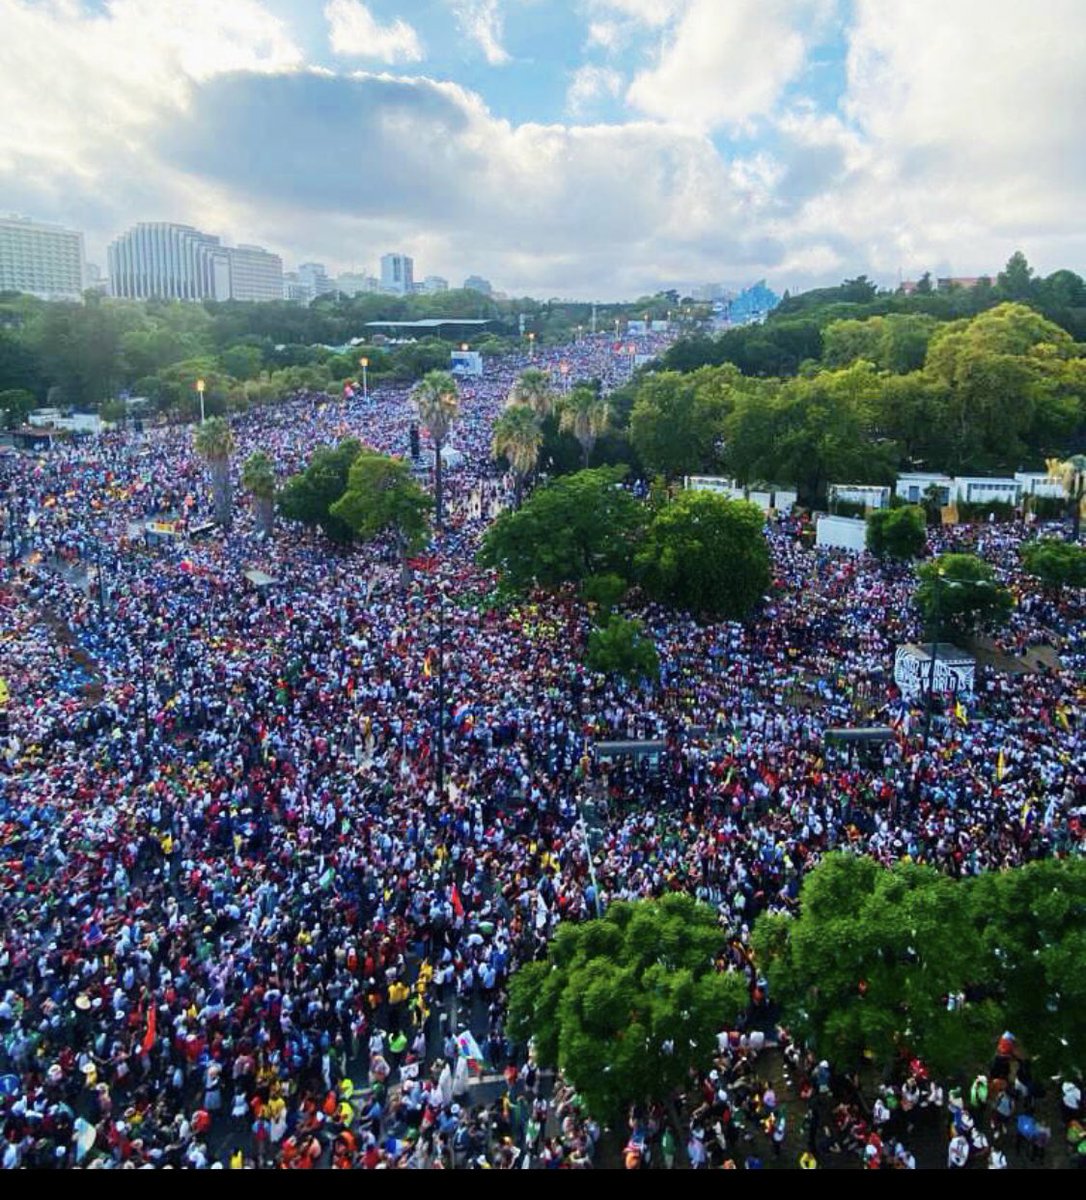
(364, 364)
(531, 346)
(440, 692)
(200, 385)
(563, 368)
(101, 581)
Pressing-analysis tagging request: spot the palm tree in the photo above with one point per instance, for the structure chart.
(258, 478)
(585, 415)
(215, 443)
(438, 401)
(517, 437)
(533, 388)
(1070, 474)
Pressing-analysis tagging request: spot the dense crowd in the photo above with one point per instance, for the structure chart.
(240, 926)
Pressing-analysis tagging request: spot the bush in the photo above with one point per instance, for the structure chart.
(899, 533)
(620, 647)
(999, 509)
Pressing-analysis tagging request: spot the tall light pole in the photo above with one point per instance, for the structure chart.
(563, 368)
(200, 385)
(440, 692)
(364, 364)
(531, 346)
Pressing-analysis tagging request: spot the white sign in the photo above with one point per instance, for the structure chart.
(466, 362)
(955, 671)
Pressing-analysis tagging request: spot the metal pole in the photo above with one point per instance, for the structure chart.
(591, 866)
(143, 673)
(441, 694)
(101, 581)
(365, 383)
(938, 594)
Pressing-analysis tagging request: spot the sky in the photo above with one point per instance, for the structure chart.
(596, 149)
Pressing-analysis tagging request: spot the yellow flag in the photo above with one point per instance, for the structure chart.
(1001, 767)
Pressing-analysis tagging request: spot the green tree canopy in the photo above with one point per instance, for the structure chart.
(867, 965)
(958, 593)
(309, 495)
(621, 647)
(576, 526)
(900, 533)
(677, 423)
(1055, 563)
(383, 498)
(626, 1006)
(706, 554)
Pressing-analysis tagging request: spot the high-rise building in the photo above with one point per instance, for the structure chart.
(354, 283)
(316, 276)
(434, 283)
(476, 283)
(397, 274)
(168, 262)
(295, 288)
(42, 260)
(255, 274)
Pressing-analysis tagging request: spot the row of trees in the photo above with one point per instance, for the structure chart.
(879, 964)
(83, 355)
(996, 391)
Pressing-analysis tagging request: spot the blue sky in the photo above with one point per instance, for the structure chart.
(592, 148)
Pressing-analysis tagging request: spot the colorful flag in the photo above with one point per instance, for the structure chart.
(1001, 766)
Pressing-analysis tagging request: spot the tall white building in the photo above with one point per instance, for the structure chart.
(397, 274)
(168, 262)
(434, 283)
(255, 274)
(42, 260)
(354, 283)
(315, 275)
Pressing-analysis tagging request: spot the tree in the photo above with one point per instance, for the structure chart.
(958, 593)
(533, 388)
(585, 414)
(1070, 474)
(258, 478)
(1056, 564)
(214, 443)
(677, 420)
(900, 533)
(382, 497)
(620, 647)
(517, 437)
(576, 526)
(1029, 926)
(811, 433)
(16, 404)
(706, 554)
(438, 400)
(309, 495)
(867, 966)
(1015, 281)
(628, 1005)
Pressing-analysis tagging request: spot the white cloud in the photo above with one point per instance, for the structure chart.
(482, 22)
(723, 64)
(956, 142)
(354, 32)
(589, 84)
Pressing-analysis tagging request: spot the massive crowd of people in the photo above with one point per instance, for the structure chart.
(240, 926)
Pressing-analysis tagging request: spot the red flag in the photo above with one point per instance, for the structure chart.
(458, 908)
(149, 1037)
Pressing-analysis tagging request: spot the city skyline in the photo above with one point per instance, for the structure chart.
(594, 148)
